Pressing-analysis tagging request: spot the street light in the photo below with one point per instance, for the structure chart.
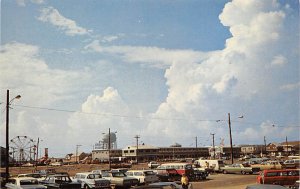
(8, 102)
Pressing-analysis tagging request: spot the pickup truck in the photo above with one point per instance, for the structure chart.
(61, 181)
(119, 179)
(91, 180)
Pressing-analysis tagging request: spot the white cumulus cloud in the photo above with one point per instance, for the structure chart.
(67, 25)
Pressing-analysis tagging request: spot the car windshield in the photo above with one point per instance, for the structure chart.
(94, 176)
(149, 173)
(118, 174)
(28, 182)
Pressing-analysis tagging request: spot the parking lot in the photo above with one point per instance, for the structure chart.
(232, 181)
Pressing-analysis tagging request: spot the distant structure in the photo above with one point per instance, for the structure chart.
(104, 143)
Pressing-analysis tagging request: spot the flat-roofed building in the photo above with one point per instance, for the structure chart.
(148, 153)
(144, 152)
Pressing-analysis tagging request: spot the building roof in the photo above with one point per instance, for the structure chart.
(141, 147)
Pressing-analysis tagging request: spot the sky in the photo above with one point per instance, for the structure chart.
(167, 70)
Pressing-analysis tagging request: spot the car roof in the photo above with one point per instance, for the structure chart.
(86, 173)
(265, 186)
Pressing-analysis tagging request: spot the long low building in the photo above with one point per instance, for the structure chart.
(149, 153)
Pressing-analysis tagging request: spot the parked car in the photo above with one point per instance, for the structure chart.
(200, 174)
(144, 176)
(24, 182)
(123, 170)
(239, 168)
(38, 176)
(291, 163)
(91, 180)
(62, 180)
(286, 177)
(173, 185)
(120, 179)
(268, 165)
(99, 171)
(153, 164)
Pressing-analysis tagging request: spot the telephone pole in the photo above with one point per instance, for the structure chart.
(287, 146)
(137, 148)
(231, 149)
(265, 144)
(213, 134)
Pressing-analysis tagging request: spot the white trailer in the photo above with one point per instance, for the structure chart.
(214, 164)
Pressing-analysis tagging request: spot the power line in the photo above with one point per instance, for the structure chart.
(151, 118)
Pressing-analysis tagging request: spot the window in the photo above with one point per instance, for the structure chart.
(131, 151)
(138, 174)
(271, 174)
(125, 151)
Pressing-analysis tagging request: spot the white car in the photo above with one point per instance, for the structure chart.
(91, 180)
(144, 176)
(24, 182)
(153, 164)
(37, 176)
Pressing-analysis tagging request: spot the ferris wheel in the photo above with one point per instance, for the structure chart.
(23, 149)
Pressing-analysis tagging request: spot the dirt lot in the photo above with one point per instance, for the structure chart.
(228, 181)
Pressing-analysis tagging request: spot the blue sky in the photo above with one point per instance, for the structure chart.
(165, 70)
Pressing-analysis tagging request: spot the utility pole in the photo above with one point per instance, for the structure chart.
(109, 163)
(137, 148)
(196, 146)
(213, 134)
(265, 144)
(231, 149)
(7, 134)
(287, 146)
(7, 138)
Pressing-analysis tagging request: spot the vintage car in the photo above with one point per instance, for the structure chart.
(200, 173)
(239, 168)
(268, 165)
(24, 182)
(119, 179)
(291, 163)
(144, 176)
(38, 176)
(91, 180)
(60, 180)
(153, 164)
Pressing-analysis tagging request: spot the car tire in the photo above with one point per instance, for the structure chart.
(86, 187)
(243, 172)
(224, 172)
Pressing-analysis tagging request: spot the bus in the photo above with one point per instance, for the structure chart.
(181, 168)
